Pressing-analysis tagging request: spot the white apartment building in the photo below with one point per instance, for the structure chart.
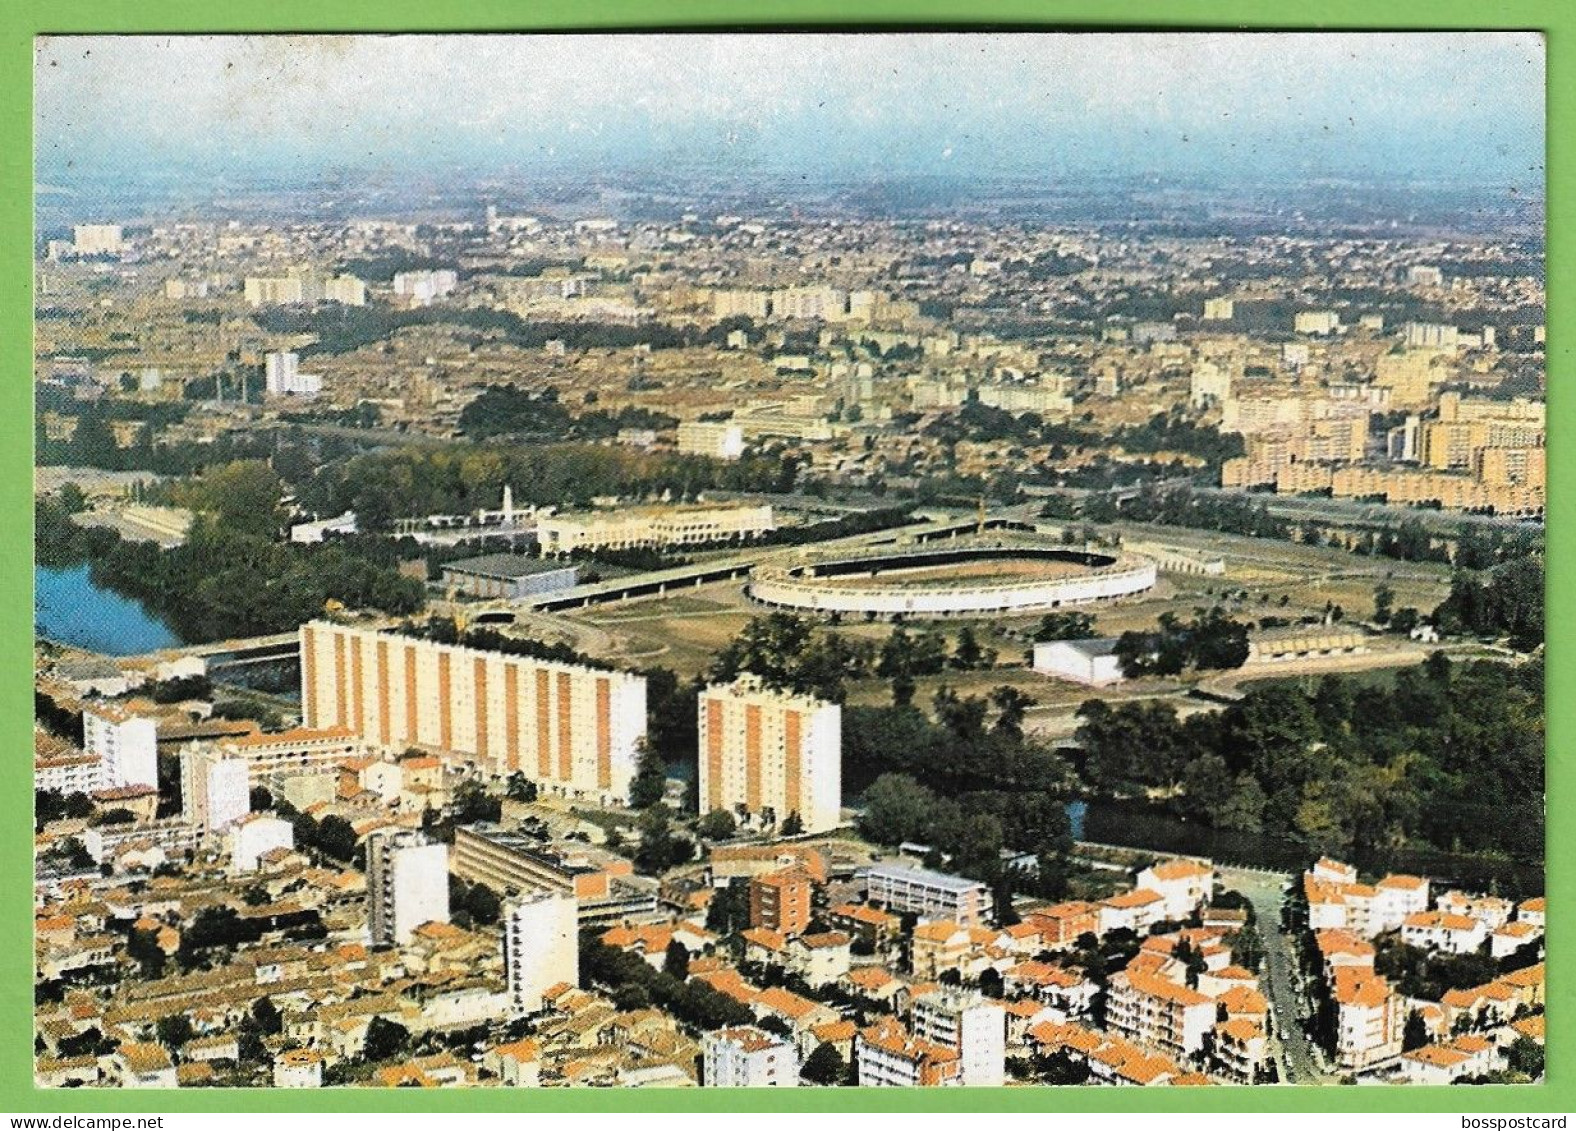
(407, 884)
(972, 1025)
(1209, 383)
(254, 836)
(285, 290)
(215, 788)
(298, 1068)
(540, 946)
(282, 376)
(1395, 898)
(1151, 1010)
(718, 439)
(97, 239)
(274, 291)
(1430, 335)
(1369, 1018)
(1184, 885)
(803, 303)
(747, 1057)
(755, 305)
(1441, 930)
(644, 527)
(347, 290)
(68, 773)
(887, 1056)
(1320, 322)
(930, 895)
(125, 744)
(422, 288)
(770, 754)
(575, 731)
(296, 751)
(1046, 400)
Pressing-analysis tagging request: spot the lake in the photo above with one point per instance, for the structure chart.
(68, 607)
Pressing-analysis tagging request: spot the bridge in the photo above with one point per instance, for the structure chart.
(248, 650)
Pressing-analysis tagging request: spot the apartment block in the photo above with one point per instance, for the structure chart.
(540, 946)
(716, 439)
(1369, 1017)
(215, 788)
(971, 1025)
(780, 901)
(604, 885)
(652, 527)
(930, 895)
(748, 1057)
(888, 1056)
(771, 754)
(125, 744)
(1154, 1011)
(575, 731)
(407, 884)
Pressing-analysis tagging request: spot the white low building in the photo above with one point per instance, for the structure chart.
(1092, 662)
(254, 836)
(748, 1057)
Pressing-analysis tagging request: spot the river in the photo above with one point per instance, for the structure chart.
(69, 608)
(1144, 827)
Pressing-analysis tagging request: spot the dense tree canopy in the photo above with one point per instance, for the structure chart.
(1450, 756)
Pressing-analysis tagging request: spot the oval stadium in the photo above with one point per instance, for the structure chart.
(971, 580)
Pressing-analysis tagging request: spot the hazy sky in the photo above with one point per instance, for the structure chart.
(1394, 106)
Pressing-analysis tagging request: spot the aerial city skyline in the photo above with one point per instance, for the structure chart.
(789, 560)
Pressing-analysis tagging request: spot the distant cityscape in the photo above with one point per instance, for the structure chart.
(659, 630)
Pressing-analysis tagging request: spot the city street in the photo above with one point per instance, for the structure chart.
(1295, 1054)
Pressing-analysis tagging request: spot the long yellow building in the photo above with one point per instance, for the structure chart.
(575, 731)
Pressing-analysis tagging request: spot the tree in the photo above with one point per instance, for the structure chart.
(1065, 626)
(483, 904)
(968, 654)
(337, 838)
(676, 960)
(659, 848)
(650, 782)
(990, 982)
(1415, 1034)
(897, 808)
(474, 805)
(1013, 705)
(266, 1014)
(142, 945)
(717, 825)
(243, 496)
(520, 788)
(261, 800)
(1384, 603)
(794, 825)
(174, 1031)
(72, 499)
(1525, 1056)
(385, 1039)
(824, 1066)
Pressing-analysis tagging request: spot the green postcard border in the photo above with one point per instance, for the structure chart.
(20, 20)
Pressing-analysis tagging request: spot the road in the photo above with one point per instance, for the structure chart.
(1295, 1055)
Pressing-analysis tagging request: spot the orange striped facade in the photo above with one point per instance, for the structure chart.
(769, 753)
(573, 730)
